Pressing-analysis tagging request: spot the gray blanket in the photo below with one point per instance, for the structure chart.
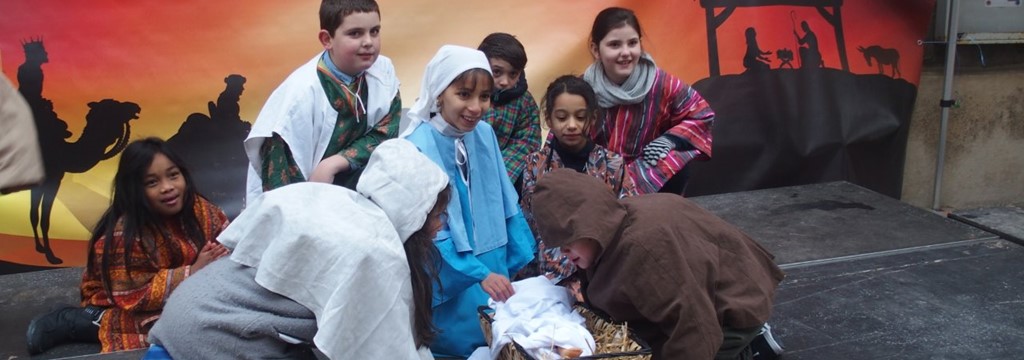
(220, 312)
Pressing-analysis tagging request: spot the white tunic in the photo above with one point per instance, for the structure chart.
(300, 112)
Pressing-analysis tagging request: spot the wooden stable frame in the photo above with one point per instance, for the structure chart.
(713, 21)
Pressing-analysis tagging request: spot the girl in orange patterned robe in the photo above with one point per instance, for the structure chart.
(157, 231)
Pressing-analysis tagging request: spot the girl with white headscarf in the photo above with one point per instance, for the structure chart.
(485, 238)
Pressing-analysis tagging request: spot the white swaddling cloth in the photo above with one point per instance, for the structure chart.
(539, 317)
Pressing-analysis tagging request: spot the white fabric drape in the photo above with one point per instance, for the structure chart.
(340, 253)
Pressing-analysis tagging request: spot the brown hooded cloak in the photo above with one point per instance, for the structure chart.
(677, 273)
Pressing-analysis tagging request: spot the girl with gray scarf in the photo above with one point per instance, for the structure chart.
(654, 120)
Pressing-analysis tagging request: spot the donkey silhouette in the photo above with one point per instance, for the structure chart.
(883, 56)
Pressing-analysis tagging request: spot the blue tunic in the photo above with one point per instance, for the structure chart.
(485, 233)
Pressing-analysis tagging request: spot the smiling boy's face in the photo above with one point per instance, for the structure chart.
(356, 42)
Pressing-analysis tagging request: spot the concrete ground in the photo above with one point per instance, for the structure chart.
(1005, 221)
(869, 277)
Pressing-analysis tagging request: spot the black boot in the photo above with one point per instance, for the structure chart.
(765, 346)
(66, 324)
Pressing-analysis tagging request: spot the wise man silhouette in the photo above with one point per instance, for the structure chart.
(105, 134)
(226, 108)
(212, 146)
(30, 74)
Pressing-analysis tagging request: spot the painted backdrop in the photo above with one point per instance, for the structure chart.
(829, 99)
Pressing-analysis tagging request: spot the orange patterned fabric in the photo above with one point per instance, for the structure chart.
(142, 286)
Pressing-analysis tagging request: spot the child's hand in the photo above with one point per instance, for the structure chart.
(576, 290)
(498, 287)
(210, 252)
(327, 168)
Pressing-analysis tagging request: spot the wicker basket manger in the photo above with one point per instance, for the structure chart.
(614, 341)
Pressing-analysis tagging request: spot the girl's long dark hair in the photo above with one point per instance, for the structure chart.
(130, 205)
(423, 259)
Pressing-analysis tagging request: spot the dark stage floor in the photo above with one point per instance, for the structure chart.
(868, 277)
(1005, 221)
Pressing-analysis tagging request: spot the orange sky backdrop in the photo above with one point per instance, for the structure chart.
(171, 57)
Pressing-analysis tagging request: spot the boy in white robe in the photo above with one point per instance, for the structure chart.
(324, 120)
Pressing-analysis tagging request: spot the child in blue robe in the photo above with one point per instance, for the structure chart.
(485, 239)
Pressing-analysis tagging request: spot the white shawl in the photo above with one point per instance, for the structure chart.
(339, 253)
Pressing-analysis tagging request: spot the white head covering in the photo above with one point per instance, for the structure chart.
(339, 253)
(399, 180)
(449, 62)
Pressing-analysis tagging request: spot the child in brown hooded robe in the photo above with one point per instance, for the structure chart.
(690, 284)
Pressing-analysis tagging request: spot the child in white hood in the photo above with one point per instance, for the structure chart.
(349, 271)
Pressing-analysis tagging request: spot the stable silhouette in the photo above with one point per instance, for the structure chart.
(883, 56)
(105, 134)
(788, 127)
(829, 10)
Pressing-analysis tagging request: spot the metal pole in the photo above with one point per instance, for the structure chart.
(953, 14)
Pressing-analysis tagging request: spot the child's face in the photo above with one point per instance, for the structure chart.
(568, 120)
(582, 252)
(505, 76)
(618, 53)
(355, 44)
(165, 186)
(435, 221)
(463, 103)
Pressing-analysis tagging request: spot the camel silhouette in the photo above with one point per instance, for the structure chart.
(883, 56)
(106, 133)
